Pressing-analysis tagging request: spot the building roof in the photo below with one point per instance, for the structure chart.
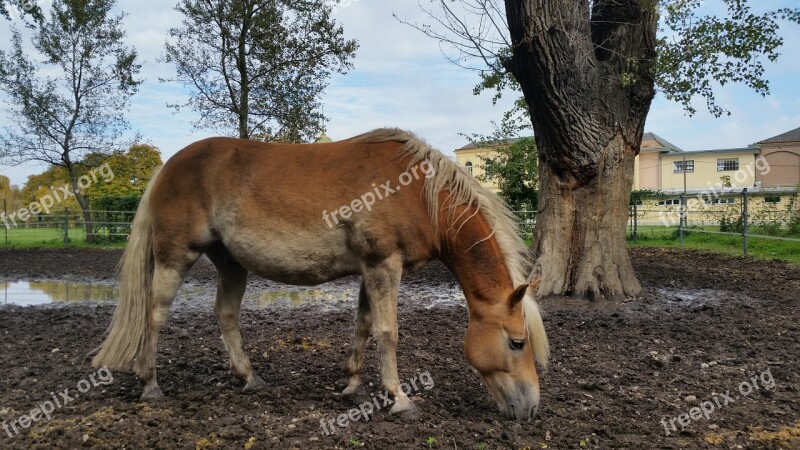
(490, 144)
(751, 149)
(789, 136)
(661, 141)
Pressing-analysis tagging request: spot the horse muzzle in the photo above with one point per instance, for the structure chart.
(518, 400)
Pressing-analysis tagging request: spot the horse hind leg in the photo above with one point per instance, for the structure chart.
(230, 290)
(166, 281)
(382, 282)
(355, 390)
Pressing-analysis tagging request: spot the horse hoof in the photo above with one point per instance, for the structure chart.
(255, 384)
(358, 396)
(151, 394)
(410, 414)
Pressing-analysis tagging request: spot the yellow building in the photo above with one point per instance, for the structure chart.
(782, 154)
(472, 157)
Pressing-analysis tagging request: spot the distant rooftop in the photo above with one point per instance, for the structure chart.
(789, 136)
(750, 149)
(661, 141)
(489, 144)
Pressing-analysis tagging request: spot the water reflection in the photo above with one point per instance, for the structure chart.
(27, 293)
(306, 297)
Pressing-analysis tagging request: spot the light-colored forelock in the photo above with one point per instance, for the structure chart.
(465, 190)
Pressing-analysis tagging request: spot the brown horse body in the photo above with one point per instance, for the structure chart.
(381, 205)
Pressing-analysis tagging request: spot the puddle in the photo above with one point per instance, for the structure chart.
(692, 297)
(295, 298)
(27, 293)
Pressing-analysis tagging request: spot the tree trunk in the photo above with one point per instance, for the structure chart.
(587, 73)
(87, 215)
(580, 243)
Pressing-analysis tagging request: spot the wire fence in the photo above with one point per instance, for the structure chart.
(67, 227)
(743, 216)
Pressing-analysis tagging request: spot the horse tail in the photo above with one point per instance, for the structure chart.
(128, 333)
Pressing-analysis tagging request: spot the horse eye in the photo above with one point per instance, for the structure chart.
(516, 344)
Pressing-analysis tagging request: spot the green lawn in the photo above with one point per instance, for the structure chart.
(47, 238)
(759, 248)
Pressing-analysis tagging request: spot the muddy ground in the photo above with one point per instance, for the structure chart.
(705, 327)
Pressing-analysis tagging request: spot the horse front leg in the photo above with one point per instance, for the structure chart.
(382, 282)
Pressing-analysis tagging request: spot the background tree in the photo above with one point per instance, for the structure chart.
(63, 117)
(258, 67)
(12, 195)
(29, 8)
(515, 169)
(588, 70)
(132, 171)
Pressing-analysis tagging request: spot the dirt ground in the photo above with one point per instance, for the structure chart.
(706, 326)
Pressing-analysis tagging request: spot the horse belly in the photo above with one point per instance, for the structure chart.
(294, 258)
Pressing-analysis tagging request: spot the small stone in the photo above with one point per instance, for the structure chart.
(690, 399)
(704, 366)
(55, 350)
(291, 426)
(713, 426)
(85, 437)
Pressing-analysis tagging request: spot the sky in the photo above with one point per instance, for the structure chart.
(401, 79)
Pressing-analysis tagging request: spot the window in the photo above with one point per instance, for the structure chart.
(720, 201)
(772, 199)
(727, 164)
(468, 167)
(487, 167)
(671, 202)
(681, 166)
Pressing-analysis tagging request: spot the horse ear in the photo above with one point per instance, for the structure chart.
(518, 295)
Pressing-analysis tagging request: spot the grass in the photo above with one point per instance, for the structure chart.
(48, 238)
(759, 248)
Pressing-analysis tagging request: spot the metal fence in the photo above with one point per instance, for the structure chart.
(67, 227)
(746, 217)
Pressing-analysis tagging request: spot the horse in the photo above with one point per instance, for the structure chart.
(380, 205)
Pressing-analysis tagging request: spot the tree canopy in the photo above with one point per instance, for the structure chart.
(515, 169)
(257, 68)
(71, 102)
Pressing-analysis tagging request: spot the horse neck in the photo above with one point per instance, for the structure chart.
(477, 262)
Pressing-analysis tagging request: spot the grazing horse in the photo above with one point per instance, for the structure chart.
(382, 205)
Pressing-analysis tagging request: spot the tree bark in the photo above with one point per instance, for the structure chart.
(586, 72)
(580, 242)
(87, 214)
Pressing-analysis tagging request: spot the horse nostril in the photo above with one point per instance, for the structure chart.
(532, 412)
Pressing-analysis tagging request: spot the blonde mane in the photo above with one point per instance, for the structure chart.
(465, 190)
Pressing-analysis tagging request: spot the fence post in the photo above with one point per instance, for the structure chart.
(635, 221)
(745, 219)
(5, 227)
(66, 226)
(682, 223)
